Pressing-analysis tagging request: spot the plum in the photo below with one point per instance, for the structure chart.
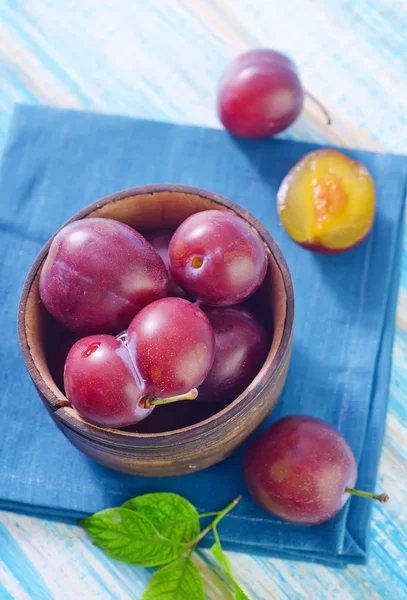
(302, 470)
(241, 347)
(99, 273)
(217, 258)
(172, 346)
(260, 94)
(160, 240)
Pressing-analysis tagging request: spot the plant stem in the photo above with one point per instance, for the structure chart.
(379, 497)
(220, 516)
(209, 514)
(226, 510)
(215, 534)
(150, 402)
(320, 106)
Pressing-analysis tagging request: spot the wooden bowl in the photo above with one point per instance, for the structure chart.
(193, 447)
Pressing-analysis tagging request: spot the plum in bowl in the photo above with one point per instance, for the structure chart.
(184, 444)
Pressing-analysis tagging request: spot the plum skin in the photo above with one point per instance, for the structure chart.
(102, 384)
(241, 347)
(172, 346)
(160, 240)
(259, 94)
(98, 274)
(217, 258)
(298, 470)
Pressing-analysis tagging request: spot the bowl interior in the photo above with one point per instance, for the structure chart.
(48, 342)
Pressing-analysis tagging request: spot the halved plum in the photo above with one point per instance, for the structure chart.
(326, 202)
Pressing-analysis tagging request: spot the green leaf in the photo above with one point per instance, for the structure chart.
(226, 566)
(172, 515)
(130, 537)
(223, 559)
(181, 580)
(239, 593)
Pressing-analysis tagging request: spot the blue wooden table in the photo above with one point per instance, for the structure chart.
(161, 60)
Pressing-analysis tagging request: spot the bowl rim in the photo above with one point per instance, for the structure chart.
(119, 438)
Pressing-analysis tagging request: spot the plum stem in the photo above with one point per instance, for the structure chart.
(380, 497)
(150, 402)
(214, 523)
(320, 106)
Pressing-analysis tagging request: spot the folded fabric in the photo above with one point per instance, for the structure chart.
(57, 162)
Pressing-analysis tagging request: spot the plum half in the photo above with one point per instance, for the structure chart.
(326, 202)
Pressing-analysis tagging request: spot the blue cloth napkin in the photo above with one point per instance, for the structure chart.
(57, 162)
